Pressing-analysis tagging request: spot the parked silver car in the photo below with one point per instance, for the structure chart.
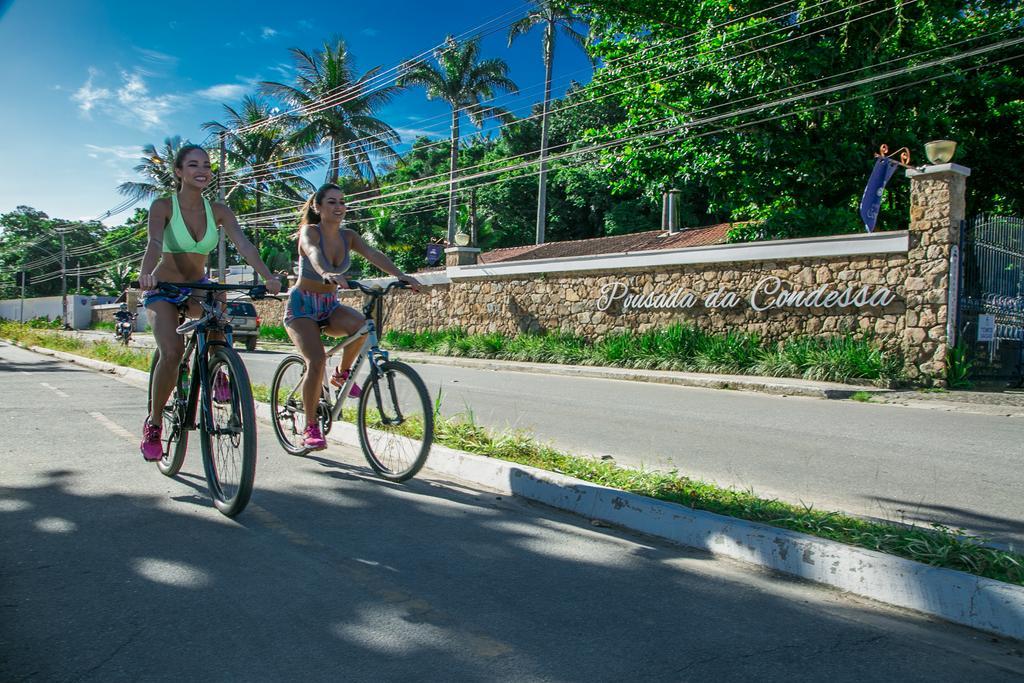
(245, 323)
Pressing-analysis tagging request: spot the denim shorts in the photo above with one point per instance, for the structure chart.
(153, 295)
(315, 305)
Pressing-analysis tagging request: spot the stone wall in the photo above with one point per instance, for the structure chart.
(825, 286)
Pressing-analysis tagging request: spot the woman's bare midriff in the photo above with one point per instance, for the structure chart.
(314, 287)
(183, 267)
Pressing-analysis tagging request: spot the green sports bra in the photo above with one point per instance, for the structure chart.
(177, 238)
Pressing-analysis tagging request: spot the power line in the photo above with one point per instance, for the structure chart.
(441, 187)
(713, 64)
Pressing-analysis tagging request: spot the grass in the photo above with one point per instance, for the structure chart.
(938, 546)
(862, 396)
(49, 338)
(102, 325)
(275, 333)
(844, 358)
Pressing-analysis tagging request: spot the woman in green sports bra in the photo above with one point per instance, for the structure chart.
(182, 232)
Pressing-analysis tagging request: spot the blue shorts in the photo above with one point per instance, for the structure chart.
(153, 295)
(315, 305)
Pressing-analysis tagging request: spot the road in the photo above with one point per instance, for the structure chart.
(111, 572)
(888, 462)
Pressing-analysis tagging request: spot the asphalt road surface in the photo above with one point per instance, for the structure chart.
(889, 462)
(111, 572)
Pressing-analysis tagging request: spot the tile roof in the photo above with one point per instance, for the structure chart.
(617, 244)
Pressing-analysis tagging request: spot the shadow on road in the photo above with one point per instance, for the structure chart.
(347, 577)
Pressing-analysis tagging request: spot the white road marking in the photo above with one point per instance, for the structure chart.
(113, 426)
(55, 390)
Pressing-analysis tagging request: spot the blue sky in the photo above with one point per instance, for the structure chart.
(88, 83)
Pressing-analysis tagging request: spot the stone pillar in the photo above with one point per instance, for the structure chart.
(461, 256)
(937, 207)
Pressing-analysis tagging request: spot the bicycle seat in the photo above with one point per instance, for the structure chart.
(188, 326)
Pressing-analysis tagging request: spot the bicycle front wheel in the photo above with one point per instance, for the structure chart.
(395, 421)
(286, 407)
(175, 436)
(229, 441)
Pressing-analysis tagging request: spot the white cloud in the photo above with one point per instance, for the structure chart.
(88, 96)
(138, 107)
(305, 23)
(370, 32)
(285, 70)
(223, 91)
(410, 134)
(133, 152)
(267, 33)
(131, 104)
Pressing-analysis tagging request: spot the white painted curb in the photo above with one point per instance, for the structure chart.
(955, 596)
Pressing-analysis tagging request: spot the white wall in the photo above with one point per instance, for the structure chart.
(79, 308)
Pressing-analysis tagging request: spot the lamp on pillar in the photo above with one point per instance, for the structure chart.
(940, 151)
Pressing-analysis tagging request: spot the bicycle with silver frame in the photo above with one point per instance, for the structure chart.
(394, 417)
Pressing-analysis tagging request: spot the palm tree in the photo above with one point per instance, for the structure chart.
(552, 17)
(260, 154)
(464, 83)
(157, 168)
(336, 108)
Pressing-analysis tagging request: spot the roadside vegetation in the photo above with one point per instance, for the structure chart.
(937, 545)
(687, 348)
(47, 335)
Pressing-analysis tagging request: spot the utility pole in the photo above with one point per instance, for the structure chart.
(63, 281)
(222, 256)
(24, 276)
(78, 278)
(472, 218)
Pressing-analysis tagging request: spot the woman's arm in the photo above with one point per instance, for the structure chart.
(379, 259)
(226, 217)
(158, 214)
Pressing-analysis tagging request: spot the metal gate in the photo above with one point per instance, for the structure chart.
(991, 303)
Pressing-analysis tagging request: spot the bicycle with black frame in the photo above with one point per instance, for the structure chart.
(212, 393)
(394, 414)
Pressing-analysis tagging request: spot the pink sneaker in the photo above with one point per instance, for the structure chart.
(338, 379)
(221, 388)
(152, 448)
(313, 439)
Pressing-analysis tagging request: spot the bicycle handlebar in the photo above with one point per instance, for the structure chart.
(377, 291)
(254, 291)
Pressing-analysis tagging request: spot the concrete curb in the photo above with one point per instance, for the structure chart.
(958, 597)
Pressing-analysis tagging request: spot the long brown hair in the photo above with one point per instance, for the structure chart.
(308, 215)
(179, 160)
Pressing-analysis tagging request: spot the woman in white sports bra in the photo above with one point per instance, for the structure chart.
(312, 305)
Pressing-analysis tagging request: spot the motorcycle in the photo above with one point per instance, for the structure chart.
(123, 330)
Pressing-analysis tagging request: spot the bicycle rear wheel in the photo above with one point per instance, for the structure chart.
(286, 407)
(395, 421)
(229, 445)
(175, 437)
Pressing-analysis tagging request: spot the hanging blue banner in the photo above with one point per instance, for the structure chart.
(871, 202)
(434, 254)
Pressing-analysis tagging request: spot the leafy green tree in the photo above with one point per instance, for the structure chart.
(157, 170)
(261, 157)
(684, 73)
(552, 15)
(337, 108)
(115, 280)
(465, 82)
